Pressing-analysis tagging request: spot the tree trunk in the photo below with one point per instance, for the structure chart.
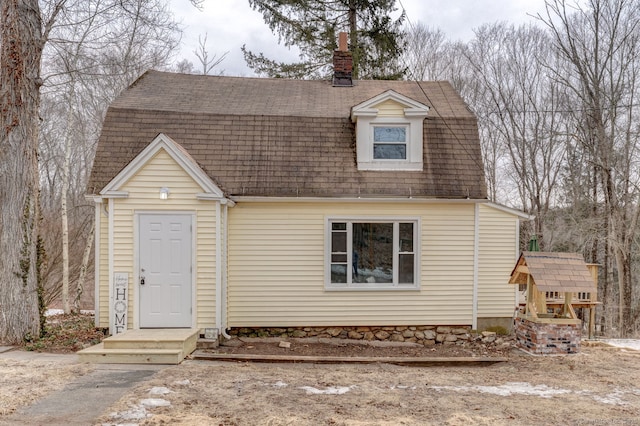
(66, 305)
(20, 55)
(84, 267)
(625, 318)
(353, 37)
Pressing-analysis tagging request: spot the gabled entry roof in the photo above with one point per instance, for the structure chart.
(162, 142)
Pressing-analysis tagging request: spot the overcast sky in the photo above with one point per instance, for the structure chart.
(231, 23)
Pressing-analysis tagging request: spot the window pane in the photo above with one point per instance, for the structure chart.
(389, 134)
(339, 226)
(406, 237)
(372, 253)
(339, 258)
(339, 242)
(389, 151)
(338, 273)
(405, 269)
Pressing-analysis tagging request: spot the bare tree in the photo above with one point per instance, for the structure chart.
(519, 104)
(601, 45)
(33, 33)
(426, 55)
(21, 43)
(207, 63)
(93, 54)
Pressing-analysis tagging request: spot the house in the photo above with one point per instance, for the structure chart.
(224, 203)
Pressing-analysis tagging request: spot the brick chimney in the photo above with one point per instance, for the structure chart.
(342, 63)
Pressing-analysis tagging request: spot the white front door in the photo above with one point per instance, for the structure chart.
(165, 271)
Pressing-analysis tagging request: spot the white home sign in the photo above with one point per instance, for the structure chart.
(120, 289)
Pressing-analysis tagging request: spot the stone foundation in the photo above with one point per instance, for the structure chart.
(547, 338)
(425, 335)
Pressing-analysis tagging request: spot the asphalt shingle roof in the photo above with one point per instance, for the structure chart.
(277, 137)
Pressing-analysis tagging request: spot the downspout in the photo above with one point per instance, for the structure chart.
(96, 261)
(110, 209)
(225, 245)
(218, 268)
(476, 247)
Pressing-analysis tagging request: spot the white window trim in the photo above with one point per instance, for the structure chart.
(406, 142)
(366, 115)
(364, 137)
(395, 286)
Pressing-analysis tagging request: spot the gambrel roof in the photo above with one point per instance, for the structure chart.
(288, 138)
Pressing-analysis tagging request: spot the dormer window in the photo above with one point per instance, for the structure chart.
(389, 132)
(390, 142)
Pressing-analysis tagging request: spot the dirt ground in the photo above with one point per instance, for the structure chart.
(599, 386)
(498, 347)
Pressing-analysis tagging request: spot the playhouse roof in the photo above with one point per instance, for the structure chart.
(566, 272)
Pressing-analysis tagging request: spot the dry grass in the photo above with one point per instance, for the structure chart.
(595, 387)
(24, 381)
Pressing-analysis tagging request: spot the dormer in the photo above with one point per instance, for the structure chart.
(389, 132)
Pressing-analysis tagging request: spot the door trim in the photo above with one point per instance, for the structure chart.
(136, 260)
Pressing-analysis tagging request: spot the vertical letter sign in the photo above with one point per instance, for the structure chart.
(121, 287)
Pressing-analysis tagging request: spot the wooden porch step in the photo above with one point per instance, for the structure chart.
(147, 346)
(99, 355)
(179, 338)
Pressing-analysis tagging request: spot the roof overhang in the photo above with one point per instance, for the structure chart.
(510, 210)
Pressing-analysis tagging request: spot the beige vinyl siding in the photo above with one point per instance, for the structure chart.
(103, 274)
(277, 267)
(496, 258)
(143, 190)
(390, 108)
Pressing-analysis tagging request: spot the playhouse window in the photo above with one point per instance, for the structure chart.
(380, 254)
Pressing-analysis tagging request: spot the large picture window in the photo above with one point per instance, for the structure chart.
(366, 254)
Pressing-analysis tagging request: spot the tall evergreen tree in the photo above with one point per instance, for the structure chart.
(376, 39)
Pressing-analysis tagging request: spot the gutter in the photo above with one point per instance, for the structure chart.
(409, 199)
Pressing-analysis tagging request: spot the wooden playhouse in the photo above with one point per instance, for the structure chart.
(553, 284)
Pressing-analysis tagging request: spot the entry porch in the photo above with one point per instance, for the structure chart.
(143, 346)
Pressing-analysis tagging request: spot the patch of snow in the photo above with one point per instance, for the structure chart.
(159, 390)
(184, 382)
(403, 387)
(154, 402)
(613, 398)
(624, 343)
(508, 389)
(544, 391)
(52, 312)
(280, 384)
(136, 412)
(327, 391)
